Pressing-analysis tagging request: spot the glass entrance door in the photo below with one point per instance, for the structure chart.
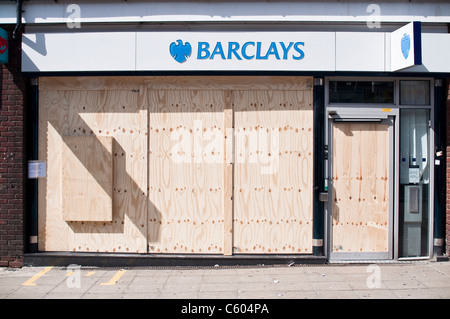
(415, 183)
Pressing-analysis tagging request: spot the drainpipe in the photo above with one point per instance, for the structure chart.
(439, 170)
(33, 182)
(19, 19)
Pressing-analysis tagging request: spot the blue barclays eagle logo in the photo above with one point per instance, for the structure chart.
(406, 45)
(179, 51)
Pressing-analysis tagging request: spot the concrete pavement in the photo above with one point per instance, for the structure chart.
(419, 279)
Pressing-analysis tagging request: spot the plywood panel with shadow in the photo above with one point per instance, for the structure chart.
(120, 116)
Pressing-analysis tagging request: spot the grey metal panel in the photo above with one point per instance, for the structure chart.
(360, 256)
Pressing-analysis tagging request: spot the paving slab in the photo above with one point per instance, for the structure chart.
(342, 281)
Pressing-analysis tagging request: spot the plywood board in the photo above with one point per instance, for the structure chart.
(273, 171)
(186, 171)
(120, 114)
(87, 178)
(167, 83)
(360, 203)
(200, 198)
(90, 83)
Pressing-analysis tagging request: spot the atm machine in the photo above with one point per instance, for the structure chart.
(414, 180)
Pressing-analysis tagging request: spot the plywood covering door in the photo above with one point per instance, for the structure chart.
(361, 187)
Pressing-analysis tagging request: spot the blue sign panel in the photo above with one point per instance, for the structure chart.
(3, 46)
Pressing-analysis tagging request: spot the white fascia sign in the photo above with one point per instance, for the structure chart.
(235, 51)
(406, 46)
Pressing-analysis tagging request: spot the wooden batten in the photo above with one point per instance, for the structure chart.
(90, 83)
(259, 83)
(228, 177)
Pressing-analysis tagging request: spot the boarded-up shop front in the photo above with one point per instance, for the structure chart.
(184, 165)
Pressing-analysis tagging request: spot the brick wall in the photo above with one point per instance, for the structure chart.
(12, 158)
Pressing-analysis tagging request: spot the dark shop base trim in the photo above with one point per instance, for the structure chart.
(64, 259)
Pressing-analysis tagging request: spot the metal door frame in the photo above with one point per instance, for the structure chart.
(371, 108)
(362, 114)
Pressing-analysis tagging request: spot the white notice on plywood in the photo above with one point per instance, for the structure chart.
(37, 169)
